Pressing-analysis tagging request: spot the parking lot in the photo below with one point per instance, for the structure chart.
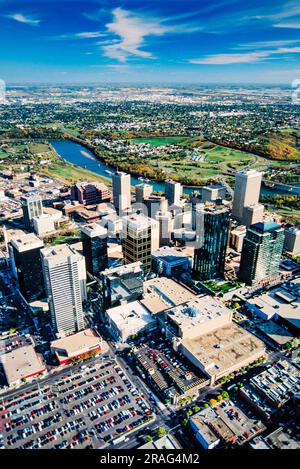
(84, 409)
(168, 368)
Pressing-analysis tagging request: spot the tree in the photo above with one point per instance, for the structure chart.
(213, 402)
(148, 438)
(220, 398)
(161, 431)
(225, 395)
(196, 409)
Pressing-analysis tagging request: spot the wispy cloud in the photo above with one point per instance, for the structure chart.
(80, 35)
(89, 35)
(287, 25)
(131, 29)
(20, 18)
(248, 57)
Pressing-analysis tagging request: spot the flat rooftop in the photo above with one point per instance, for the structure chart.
(198, 312)
(93, 230)
(169, 254)
(285, 438)
(27, 242)
(21, 363)
(76, 343)
(283, 301)
(119, 271)
(133, 313)
(228, 422)
(163, 293)
(223, 348)
(59, 252)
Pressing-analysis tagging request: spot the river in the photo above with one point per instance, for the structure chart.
(81, 156)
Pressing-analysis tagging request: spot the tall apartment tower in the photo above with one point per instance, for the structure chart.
(65, 282)
(246, 192)
(173, 192)
(121, 192)
(262, 249)
(26, 265)
(212, 231)
(140, 237)
(94, 243)
(32, 207)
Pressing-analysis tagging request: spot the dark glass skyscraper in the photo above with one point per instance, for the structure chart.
(26, 265)
(94, 243)
(261, 252)
(212, 228)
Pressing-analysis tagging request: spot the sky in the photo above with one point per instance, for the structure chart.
(150, 41)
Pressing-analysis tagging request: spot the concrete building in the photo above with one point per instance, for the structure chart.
(43, 224)
(292, 240)
(173, 192)
(121, 192)
(165, 227)
(32, 207)
(90, 193)
(213, 193)
(246, 192)
(65, 281)
(76, 345)
(94, 248)
(225, 423)
(128, 320)
(155, 204)
(237, 236)
(25, 262)
(143, 192)
(253, 214)
(170, 262)
(21, 364)
(261, 254)
(122, 284)
(140, 237)
(212, 232)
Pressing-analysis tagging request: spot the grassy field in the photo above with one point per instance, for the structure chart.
(161, 141)
(38, 148)
(68, 173)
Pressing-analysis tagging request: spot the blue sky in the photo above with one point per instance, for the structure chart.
(171, 41)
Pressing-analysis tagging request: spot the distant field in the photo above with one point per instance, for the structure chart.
(160, 141)
(38, 147)
(68, 173)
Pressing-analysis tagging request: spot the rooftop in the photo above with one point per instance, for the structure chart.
(133, 313)
(21, 363)
(94, 229)
(76, 343)
(27, 242)
(224, 348)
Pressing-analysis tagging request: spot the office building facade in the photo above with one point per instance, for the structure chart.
(65, 282)
(32, 207)
(26, 265)
(90, 193)
(140, 237)
(173, 192)
(246, 192)
(261, 254)
(94, 244)
(121, 192)
(212, 232)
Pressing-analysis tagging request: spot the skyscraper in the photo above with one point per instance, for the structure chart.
(26, 265)
(142, 192)
(261, 252)
(94, 243)
(173, 192)
(212, 229)
(246, 192)
(140, 237)
(65, 282)
(32, 207)
(121, 192)
(253, 214)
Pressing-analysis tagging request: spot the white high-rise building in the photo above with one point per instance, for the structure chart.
(65, 283)
(173, 192)
(246, 191)
(121, 191)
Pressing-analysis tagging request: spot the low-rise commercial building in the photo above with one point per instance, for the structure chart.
(76, 345)
(21, 364)
(170, 262)
(122, 284)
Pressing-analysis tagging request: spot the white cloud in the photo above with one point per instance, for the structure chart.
(132, 31)
(89, 34)
(248, 57)
(287, 25)
(20, 18)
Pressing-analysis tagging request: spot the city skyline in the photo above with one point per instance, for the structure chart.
(226, 41)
